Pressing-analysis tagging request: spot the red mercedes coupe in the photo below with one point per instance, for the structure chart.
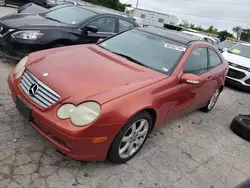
(102, 100)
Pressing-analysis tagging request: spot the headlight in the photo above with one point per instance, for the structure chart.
(21, 67)
(28, 35)
(80, 115)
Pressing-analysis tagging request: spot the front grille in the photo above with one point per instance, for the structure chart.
(235, 74)
(44, 96)
(239, 66)
(248, 81)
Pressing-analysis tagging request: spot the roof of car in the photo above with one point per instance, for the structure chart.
(169, 34)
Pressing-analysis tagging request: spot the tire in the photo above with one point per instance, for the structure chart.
(212, 101)
(241, 126)
(2, 2)
(115, 153)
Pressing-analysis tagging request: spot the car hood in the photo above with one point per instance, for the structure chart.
(236, 59)
(88, 72)
(25, 21)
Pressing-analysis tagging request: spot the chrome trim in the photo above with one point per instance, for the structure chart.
(44, 97)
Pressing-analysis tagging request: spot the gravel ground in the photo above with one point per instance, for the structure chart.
(195, 151)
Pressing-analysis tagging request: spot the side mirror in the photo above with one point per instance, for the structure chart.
(90, 28)
(190, 79)
(224, 49)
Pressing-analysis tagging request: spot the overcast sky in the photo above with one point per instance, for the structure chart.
(205, 12)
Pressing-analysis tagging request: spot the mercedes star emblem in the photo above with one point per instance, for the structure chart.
(33, 89)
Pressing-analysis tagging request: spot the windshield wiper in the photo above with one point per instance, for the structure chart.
(130, 59)
(49, 18)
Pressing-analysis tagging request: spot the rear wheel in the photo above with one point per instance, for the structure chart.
(212, 101)
(130, 138)
(2, 2)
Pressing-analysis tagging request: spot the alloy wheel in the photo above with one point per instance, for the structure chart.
(214, 99)
(133, 138)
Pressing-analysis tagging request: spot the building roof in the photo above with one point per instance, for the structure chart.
(169, 34)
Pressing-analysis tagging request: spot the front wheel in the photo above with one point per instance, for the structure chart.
(212, 101)
(130, 138)
(2, 2)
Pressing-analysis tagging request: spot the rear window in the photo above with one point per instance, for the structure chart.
(69, 15)
(152, 51)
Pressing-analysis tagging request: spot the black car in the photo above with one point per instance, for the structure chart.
(21, 34)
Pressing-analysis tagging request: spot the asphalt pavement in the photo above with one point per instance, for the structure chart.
(195, 151)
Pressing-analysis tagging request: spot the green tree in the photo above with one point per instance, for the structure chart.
(185, 23)
(245, 35)
(210, 29)
(237, 30)
(192, 26)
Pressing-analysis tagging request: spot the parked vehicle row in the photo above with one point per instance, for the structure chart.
(141, 76)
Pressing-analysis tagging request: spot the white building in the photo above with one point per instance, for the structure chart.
(147, 17)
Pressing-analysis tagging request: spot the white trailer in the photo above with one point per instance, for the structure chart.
(148, 17)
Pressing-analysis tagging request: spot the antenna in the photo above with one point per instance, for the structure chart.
(137, 3)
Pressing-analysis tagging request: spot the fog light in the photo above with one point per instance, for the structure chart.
(99, 140)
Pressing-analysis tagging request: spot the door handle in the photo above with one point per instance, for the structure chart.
(209, 78)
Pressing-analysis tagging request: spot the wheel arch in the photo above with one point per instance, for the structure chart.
(152, 112)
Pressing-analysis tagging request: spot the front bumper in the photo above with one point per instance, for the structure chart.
(238, 77)
(75, 142)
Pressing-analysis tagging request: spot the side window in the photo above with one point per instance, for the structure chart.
(104, 24)
(197, 62)
(214, 59)
(124, 25)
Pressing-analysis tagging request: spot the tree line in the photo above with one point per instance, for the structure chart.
(241, 34)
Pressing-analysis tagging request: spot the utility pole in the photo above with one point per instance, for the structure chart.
(137, 3)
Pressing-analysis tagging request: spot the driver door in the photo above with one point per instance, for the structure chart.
(197, 94)
(106, 27)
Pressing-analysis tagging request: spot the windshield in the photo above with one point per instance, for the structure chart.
(227, 44)
(69, 15)
(241, 50)
(146, 49)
